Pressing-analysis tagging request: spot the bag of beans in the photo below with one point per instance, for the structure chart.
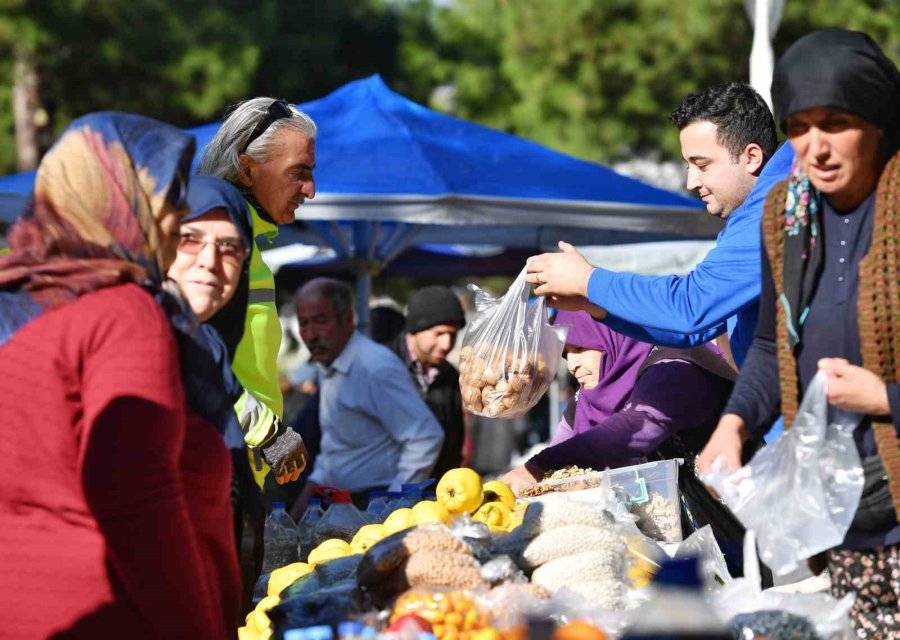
(510, 353)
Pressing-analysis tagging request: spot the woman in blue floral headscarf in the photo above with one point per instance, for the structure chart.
(96, 530)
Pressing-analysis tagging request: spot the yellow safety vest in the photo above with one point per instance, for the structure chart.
(256, 359)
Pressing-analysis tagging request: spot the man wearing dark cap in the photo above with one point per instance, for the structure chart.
(433, 319)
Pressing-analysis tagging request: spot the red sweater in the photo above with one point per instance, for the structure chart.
(104, 526)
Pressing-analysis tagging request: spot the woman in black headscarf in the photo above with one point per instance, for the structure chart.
(830, 294)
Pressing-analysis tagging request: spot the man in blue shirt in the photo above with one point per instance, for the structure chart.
(377, 432)
(728, 141)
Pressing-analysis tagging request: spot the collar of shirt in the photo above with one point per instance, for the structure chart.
(344, 361)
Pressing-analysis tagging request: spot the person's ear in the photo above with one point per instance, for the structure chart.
(755, 158)
(247, 165)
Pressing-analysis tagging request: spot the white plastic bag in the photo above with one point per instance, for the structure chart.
(830, 616)
(510, 353)
(800, 493)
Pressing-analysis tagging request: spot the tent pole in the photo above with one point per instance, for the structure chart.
(554, 405)
(363, 294)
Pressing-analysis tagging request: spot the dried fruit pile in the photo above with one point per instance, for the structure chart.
(453, 616)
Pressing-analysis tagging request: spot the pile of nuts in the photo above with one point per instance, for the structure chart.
(570, 478)
(497, 383)
(658, 518)
(444, 569)
(572, 471)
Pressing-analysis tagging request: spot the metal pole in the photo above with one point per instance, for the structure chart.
(363, 294)
(765, 16)
(762, 58)
(554, 405)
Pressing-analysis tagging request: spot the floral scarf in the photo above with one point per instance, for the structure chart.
(802, 251)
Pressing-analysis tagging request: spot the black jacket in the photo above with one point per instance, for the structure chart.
(444, 399)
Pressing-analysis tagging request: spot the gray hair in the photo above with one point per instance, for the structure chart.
(220, 158)
(337, 292)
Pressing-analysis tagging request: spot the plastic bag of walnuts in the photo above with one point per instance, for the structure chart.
(510, 353)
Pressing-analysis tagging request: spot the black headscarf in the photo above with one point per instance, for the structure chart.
(843, 70)
(205, 194)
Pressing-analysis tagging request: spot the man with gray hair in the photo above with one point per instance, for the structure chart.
(377, 432)
(267, 149)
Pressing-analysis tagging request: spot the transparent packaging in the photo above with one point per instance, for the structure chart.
(509, 354)
(412, 493)
(651, 492)
(742, 596)
(342, 520)
(377, 509)
(800, 493)
(279, 539)
(306, 528)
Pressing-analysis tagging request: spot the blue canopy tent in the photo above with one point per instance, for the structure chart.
(393, 174)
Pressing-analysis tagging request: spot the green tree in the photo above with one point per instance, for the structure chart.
(184, 61)
(597, 79)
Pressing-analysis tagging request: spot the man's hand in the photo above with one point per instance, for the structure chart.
(855, 389)
(560, 275)
(285, 454)
(726, 443)
(522, 477)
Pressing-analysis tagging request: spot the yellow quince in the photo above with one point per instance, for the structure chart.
(460, 491)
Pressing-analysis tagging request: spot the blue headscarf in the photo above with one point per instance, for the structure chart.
(93, 223)
(205, 194)
(93, 220)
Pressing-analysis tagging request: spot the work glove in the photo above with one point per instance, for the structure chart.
(285, 454)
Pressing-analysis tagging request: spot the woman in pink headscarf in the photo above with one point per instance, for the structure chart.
(633, 397)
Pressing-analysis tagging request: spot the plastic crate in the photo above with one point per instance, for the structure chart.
(651, 490)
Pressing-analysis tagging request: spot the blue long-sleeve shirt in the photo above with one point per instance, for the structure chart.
(721, 293)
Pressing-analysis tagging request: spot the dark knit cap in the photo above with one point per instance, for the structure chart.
(432, 306)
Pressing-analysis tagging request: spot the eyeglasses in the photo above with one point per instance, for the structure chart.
(276, 111)
(229, 250)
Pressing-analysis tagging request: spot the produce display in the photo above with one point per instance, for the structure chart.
(566, 541)
(452, 615)
(444, 569)
(476, 563)
(650, 491)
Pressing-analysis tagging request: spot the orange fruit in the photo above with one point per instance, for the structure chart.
(578, 630)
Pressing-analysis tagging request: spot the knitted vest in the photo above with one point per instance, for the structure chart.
(878, 308)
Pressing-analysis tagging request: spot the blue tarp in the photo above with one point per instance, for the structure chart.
(393, 174)
(383, 157)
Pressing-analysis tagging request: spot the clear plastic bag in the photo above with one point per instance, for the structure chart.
(509, 354)
(702, 544)
(799, 494)
(829, 615)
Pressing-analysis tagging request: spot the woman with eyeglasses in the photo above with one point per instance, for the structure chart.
(267, 149)
(212, 269)
(103, 372)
